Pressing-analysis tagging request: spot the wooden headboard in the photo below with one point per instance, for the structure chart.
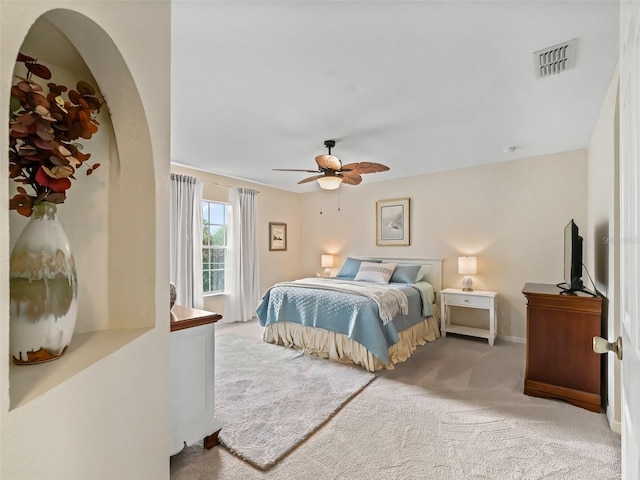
(433, 269)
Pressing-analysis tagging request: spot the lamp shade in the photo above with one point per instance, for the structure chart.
(467, 265)
(330, 182)
(326, 261)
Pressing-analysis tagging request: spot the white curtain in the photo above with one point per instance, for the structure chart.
(185, 244)
(242, 282)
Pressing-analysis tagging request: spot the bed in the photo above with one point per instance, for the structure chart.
(356, 317)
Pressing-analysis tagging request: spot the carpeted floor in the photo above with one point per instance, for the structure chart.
(455, 410)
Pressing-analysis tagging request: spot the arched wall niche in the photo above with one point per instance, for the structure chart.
(131, 221)
(111, 218)
(84, 212)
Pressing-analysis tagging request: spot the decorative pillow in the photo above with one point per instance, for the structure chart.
(375, 272)
(421, 275)
(405, 274)
(350, 267)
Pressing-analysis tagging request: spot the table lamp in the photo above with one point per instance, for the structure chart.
(327, 262)
(467, 266)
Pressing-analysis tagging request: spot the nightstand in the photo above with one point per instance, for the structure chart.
(474, 299)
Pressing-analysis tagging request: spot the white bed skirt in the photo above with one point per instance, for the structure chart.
(340, 348)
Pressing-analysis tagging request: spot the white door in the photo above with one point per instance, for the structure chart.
(629, 241)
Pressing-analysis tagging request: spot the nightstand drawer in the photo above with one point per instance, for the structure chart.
(464, 300)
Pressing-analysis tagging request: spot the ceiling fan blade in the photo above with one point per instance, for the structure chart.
(310, 179)
(329, 161)
(365, 167)
(351, 178)
(293, 170)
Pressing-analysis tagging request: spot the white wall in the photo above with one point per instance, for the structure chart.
(602, 256)
(110, 419)
(511, 215)
(274, 205)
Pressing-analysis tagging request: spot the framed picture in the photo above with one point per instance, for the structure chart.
(277, 236)
(393, 222)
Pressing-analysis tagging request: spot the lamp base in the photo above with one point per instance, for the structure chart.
(467, 282)
(327, 272)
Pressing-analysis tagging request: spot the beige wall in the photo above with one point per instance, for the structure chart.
(106, 415)
(274, 205)
(602, 256)
(511, 215)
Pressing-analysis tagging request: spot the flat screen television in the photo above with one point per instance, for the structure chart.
(572, 259)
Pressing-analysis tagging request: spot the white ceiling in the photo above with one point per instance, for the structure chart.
(420, 86)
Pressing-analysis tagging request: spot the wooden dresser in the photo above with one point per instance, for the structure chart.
(560, 358)
(192, 344)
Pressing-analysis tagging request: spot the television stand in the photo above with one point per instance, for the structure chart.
(560, 360)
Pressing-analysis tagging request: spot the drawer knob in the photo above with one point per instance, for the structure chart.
(466, 299)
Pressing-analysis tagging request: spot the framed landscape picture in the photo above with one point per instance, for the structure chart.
(393, 222)
(277, 236)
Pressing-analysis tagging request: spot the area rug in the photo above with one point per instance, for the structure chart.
(271, 398)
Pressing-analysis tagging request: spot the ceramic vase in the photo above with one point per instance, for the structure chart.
(43, 290)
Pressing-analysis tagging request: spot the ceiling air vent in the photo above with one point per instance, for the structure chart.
(555, 59)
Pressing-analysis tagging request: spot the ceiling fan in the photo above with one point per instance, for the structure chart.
(331, 173)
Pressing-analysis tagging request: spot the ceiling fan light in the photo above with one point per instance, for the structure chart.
(329, 183)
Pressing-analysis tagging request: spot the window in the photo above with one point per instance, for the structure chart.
(215, 220)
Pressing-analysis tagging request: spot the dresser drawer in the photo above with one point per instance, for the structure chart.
(467, 300)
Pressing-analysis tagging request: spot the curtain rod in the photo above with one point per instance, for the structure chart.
(229, 186)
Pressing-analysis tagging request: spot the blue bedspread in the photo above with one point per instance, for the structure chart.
(355, 316)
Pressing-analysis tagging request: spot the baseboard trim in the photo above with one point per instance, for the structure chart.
(507, 338)
(614, 425)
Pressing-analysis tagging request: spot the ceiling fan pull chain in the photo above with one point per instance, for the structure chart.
(339, 197)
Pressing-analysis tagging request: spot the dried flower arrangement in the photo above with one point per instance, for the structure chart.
(43, 129)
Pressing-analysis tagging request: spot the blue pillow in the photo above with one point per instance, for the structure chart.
(405, 274)
(351, 266)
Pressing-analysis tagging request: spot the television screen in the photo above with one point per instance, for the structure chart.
(572, 257)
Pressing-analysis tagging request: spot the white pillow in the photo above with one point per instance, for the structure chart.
(375, 272)
(422, 274)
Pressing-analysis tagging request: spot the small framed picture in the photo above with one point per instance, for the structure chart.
(393, 222)
(277, 236)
